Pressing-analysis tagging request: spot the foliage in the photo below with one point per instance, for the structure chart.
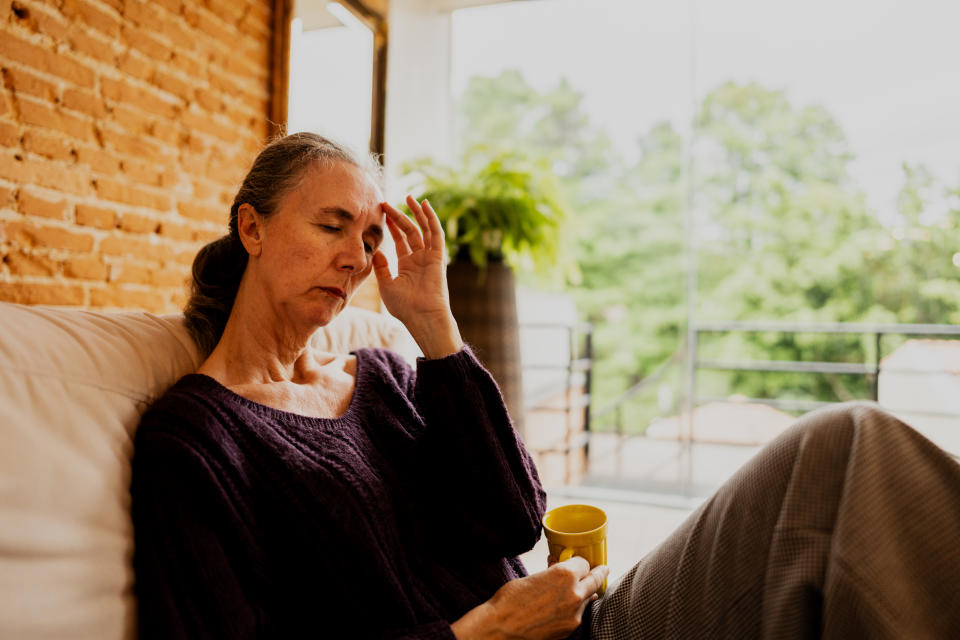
(783, 233)
(509, 207)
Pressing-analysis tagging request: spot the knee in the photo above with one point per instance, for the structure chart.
(849, 418)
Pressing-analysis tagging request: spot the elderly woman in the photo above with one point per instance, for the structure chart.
(284, 492)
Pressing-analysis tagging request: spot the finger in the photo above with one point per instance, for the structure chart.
(576, 565)
(592, 582)
(381, 268)
(409, 229)
(399, 238)
(433, 223)
(398, 222)
(418, 213)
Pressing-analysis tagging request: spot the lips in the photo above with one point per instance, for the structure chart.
(334, 291)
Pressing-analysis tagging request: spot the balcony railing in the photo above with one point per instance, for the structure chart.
(639, 462)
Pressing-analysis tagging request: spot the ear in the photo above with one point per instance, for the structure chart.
(250, 228)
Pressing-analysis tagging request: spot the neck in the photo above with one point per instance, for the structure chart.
(257, 347)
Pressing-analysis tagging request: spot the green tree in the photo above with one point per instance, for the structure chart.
(783, 233)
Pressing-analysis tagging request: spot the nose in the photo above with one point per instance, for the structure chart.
(352, 256)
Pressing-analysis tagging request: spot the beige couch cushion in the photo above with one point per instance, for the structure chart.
(73, 385)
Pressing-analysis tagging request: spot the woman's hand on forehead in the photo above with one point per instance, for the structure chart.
(418, 294)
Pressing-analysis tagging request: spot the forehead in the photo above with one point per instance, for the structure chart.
(339, 184)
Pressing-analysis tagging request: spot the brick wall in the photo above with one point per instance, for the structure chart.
(125, 128)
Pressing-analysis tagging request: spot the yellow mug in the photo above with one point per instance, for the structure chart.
(577, 530)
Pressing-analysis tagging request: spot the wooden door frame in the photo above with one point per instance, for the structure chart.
(280, 67)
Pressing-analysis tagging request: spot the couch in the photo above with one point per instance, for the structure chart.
(73, 385)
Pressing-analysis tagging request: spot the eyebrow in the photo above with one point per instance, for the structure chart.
(343, 214)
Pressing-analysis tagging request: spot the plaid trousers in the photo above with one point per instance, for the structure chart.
(845, 526)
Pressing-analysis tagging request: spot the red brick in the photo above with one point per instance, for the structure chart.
(85, 101)
(131, 274)
(173, 6)
(43, 115)
(132, 120)
(173, 84)
(137, 65)
(229, 12)
(21, 81)
(43, 173)
(225, 172)
(251, 26)
(186, 256)
(35, 293)
(98, 160)
(26, 264)
(191, 63)
(141, 12)
(210, 100)
(6, 196)
(93, 45)
(105, 21)
(136, 223)
(129, 194)
(136, 247)
(173, 28)
(42, 20)
(142, 172)
(85, 268)
(178, 300)
(42, 59)
(246, 121)
(138, 146)
(150, 101)
(167, 131)
(207, 235)
(93, 216)
(34, 235)
(125, 297)
(9, 134)
(244, 66)
(170, 277)
(176, 231)
(207, 123)
(146, 42)
(202, 212)
(33, 204)
(51, 145)
(248, 92)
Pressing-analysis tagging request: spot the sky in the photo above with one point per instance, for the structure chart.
(887, 70)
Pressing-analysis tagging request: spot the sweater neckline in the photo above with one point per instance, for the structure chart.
(359, 385)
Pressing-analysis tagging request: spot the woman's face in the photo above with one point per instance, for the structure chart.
(317, 247)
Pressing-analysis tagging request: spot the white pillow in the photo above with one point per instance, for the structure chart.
(73, 385)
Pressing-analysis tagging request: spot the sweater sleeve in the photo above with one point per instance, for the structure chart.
(193, 566)
(484, 485)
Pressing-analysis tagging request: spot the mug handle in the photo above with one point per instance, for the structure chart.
(566, 554)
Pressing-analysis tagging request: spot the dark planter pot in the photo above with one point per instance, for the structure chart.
(486, 312)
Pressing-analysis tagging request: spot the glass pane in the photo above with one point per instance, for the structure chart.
(331, 74)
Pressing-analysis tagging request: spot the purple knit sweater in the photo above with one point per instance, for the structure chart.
(388, 522)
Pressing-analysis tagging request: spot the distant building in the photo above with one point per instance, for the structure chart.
(734, 421)
(920, 383)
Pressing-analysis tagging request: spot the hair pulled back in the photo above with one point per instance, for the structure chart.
(219, 266)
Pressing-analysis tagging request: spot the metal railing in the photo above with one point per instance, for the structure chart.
(579, 342)
(610, 418)
(870, 370)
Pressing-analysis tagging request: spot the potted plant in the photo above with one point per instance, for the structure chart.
(501, 215)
